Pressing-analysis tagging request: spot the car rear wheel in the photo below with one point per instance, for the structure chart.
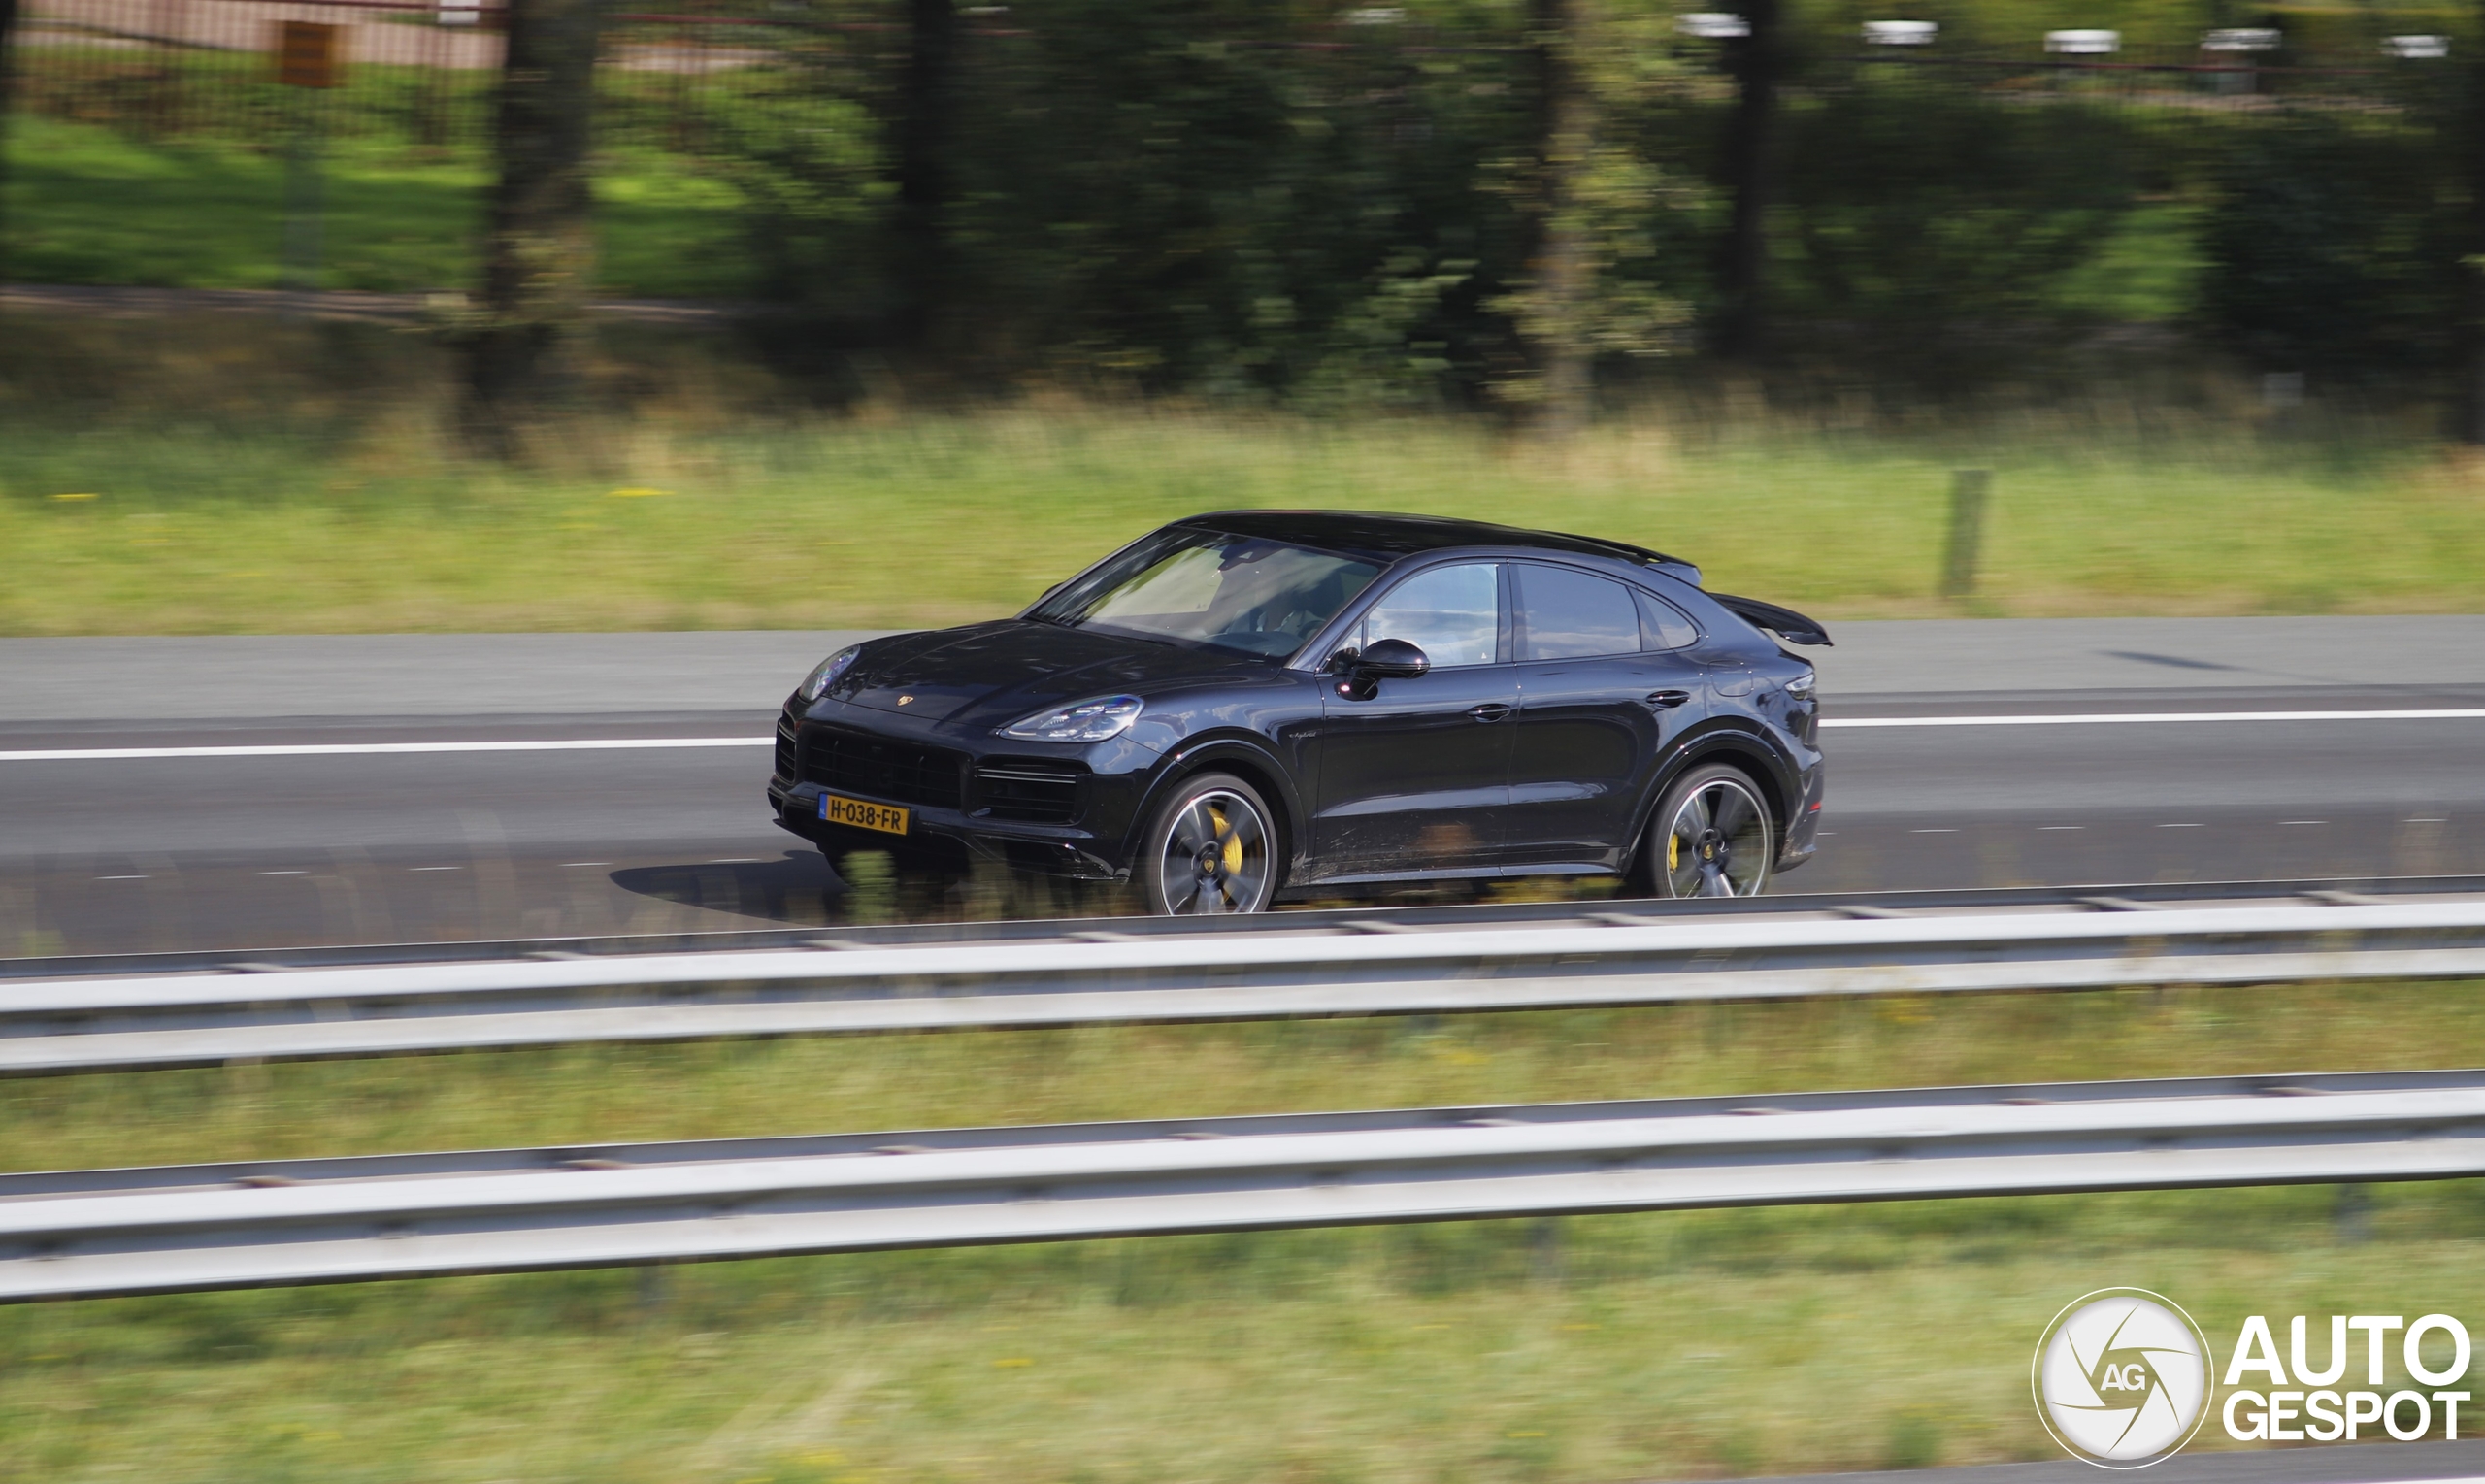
(1212, 848)
(1710, 837)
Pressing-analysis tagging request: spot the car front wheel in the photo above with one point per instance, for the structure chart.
(1710, 837)
(1212, 848)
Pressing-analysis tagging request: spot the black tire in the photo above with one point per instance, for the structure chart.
(1710, 836)
(1212, 848)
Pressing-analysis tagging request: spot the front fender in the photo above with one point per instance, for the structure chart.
(1200, 755)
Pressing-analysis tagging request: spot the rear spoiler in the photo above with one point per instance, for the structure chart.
(1787, 624)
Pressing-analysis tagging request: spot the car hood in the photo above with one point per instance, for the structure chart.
(993, 673)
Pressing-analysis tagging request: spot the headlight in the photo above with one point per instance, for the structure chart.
(1088, 721)
(829, 672)
(1801, 687)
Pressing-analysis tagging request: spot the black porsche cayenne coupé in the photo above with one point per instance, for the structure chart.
(1246, 706)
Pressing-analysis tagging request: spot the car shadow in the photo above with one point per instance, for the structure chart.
(800, 888)
(803, 889)
(2170, 661)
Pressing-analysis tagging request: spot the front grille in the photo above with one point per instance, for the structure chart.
(879, 768)
(1033, 790)
(785, 751)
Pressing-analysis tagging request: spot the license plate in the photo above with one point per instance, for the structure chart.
(887, 818)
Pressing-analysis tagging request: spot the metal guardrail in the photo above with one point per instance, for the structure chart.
(96, 1232)
(1784, 905)
(1278, 967)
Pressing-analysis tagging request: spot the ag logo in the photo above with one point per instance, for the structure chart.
(2122, 1378)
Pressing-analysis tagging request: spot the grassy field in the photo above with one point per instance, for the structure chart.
(88, 204)
(1605, 1348)
(189, 490)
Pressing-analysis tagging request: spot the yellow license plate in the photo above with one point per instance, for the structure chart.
(887, 818)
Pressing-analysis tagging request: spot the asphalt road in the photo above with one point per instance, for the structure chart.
(216, 852)
(2436, 1463)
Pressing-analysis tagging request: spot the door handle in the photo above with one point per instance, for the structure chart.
(1667, 700)
(1490, 711)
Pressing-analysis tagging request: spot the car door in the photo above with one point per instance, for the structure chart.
(1413, 776)
(1605, 682)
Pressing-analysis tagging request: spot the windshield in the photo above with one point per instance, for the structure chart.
(1235, 592)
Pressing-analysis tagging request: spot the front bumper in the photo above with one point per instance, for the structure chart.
(1064, 809)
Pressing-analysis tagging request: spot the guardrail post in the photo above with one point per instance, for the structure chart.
(2352, 1216)
(1545, 1250)
(1968, 489)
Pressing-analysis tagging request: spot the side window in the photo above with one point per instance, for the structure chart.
(1565, 614)
(1661, 625)
(1452, 613)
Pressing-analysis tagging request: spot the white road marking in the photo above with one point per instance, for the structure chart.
(2129, 718)
(363, 749)
(2062, 827)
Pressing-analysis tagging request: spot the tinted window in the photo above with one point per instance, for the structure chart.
(1661, 625)
(1565, 614)
(1452, 613)
(1235, 592)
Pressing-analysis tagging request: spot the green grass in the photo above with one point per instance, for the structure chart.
(347, 515)
(1592, 1349)
(91, 205)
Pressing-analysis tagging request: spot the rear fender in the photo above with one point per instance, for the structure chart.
(1732, 740)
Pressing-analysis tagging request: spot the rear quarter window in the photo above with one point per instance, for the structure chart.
(1661, 625)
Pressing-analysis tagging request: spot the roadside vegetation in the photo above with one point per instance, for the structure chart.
(234, 475)
(90, 204)
(1589, 1349)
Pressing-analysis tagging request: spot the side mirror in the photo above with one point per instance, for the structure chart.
(1393, 659)
(1360, 673)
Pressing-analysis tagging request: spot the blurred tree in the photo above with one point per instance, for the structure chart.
(2337, 246)
(1757, 61)
(1931, 225)
(1179, 193)
(1563, 267)
(926, 109)
(7, 74)
(2471, 118)
(539, 253)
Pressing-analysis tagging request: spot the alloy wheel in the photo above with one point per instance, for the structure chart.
(1717, 842)
(1216, 855)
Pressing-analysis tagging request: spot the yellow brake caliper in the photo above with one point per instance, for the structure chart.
(1674, 852)
(1233, 853)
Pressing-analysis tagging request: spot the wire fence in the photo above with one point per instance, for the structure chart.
(163, 69)
(2179, 78)
(422, 71)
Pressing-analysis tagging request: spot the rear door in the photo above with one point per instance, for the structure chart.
(1604, 684)
(1415, 780)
